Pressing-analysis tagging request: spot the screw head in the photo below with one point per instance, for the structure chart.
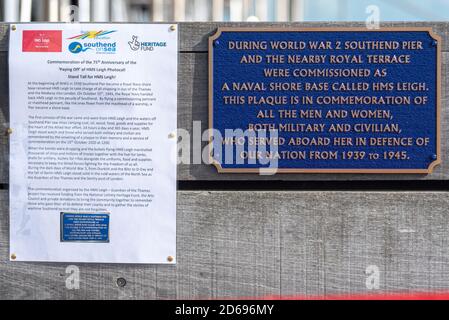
(433, 157)
(13, 27)
(171, 135)
(172, 27)
(434, 43)
(170, 258)
(121, 282)
(13, 256)
(216, 43)
(8, 131)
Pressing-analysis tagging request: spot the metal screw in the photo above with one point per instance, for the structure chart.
(172, 27)
(8, 131)
(434, 157)
(216, 43)
(13, 27)
(13, 256)
(121, 282)
(171, 135)
(434, 43)
(170, 258)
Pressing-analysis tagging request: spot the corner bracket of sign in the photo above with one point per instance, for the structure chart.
(439, 42)
(434, 35)
(433, 165)
(438, 39)
(216, 35)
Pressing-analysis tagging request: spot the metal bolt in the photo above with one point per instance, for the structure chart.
(170, 258)
(13, 27)
(172, 27)
(8, 131)
(13, 256)
(171, 135)
(434, 157)
(434, 43)
(121, 282)
(216, 43)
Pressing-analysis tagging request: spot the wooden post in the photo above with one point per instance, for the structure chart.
(25, 10)
(179, 10)
(235, 10)
(261, 11)
(40, 11)
(53, 10)
(11, 9)
(297, 10)
(282, 10)
(84, 10)
(202, 9)
(64, 10)
(158, 10)
(247, 6)
(218, 10)
(100, 10)
(119, 11)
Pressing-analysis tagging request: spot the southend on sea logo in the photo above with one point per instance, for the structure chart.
(76, 47)
(99, 42)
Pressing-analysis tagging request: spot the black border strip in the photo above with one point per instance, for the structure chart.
(278, 185)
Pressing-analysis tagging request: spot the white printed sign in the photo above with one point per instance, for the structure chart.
(92, 167)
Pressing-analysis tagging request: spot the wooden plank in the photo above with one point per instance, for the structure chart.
(332, 237)
(193, 105)
(193, 36)
(267, 243)
(4, 36)
(218, 256)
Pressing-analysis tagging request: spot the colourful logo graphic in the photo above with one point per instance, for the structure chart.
(76, 47)
(93, 35)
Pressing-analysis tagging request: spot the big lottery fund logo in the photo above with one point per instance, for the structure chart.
(148, 46)
(99, 45)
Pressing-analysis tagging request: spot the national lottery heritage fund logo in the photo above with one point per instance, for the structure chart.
(99, 42)
(147, 46)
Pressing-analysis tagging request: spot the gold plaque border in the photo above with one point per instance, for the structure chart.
(432, 34)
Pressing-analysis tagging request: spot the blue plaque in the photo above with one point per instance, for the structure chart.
(84, 227)
(347, 100)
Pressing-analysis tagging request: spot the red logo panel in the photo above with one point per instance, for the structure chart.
(42, 41)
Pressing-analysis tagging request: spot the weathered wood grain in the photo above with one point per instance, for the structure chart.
(193, 35)
(193, 103)
(267, 243)
(219, 256)
(403, 234)
(4, 36)
(260, 243)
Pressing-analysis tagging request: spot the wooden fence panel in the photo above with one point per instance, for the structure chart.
(267, 243)
(193, 103)
(259, 243)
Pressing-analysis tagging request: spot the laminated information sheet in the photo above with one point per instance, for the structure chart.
(92, 142)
